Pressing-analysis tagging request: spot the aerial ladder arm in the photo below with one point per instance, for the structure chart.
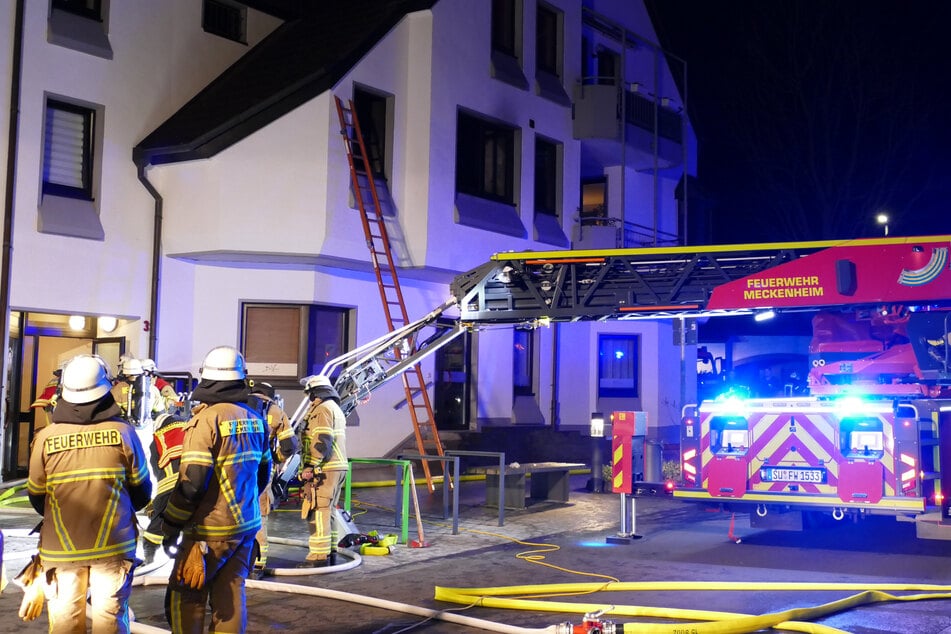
(534, 288)
(369, 366)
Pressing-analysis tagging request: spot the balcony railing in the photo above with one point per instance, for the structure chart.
(639, 109)
(629, 235)
(640, 112)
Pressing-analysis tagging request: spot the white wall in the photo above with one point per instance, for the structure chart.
(65, 274)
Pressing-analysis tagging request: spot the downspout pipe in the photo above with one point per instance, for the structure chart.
(13, 135)
(156, 257)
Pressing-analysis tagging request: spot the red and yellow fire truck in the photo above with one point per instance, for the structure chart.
(867, 438)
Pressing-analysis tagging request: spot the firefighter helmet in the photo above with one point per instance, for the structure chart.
(85, 379)
(263, 389)
(223, 363)
(319, 386)
(129, 366)
(315, 381)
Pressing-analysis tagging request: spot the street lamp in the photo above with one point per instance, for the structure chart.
(882, 219)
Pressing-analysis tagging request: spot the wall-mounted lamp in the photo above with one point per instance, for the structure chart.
(77, 322)
(597, 425)
(107, 323)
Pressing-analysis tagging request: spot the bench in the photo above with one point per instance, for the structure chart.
(549, 483)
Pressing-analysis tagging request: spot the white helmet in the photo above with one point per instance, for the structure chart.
(85, 379)
(129, 366)
(317, 380)
(223, 363)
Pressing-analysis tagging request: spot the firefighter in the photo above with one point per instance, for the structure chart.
(166, 390)
(140, 401)
(283, 444)
(88, 477)
(214, 506)
(46, 401)
(325, 467)
(165, 458)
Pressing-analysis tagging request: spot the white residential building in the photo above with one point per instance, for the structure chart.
(178, 166)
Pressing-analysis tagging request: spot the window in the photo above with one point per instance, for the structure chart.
(504, 27)
(91, 9)
(293, 340)
(617, 366)
(485, 159)
(546, 177)
(67, 150)
(80, 25)
(523, 362)
(507, 43)
(547, 46)
(594, 203)
(452, 389)
(224, 19)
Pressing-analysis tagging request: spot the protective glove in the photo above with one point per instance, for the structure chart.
(170, 535)
(191, 571)
(32, 580)
(308, 498)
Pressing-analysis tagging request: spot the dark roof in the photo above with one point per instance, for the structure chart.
(300, 60)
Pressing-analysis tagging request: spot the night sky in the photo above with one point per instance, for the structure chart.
(814, 115)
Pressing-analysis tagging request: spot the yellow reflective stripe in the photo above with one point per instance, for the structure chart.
(205, 531)
(108, 519)
(58, 525)
(85, 475)
(198, 457)
(87, 553)
(227, 492)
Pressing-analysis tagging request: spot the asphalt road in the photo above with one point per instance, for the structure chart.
(551, 543)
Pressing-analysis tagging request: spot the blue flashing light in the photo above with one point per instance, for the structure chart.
(619, 354)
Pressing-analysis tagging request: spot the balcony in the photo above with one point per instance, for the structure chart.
(598, 103)
(599, 233)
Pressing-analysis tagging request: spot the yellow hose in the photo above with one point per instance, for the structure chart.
(703, 621)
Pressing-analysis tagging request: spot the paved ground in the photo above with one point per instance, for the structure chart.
(545, 543)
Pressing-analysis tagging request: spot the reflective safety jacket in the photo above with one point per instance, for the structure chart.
(91, 476)
(283, 441)
(166, 452)
(325, 436)
(225, 464)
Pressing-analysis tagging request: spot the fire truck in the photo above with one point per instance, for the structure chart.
(867, 439)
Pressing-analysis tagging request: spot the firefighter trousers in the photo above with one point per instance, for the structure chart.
(109, 584)
(319, 520)
(227, 566)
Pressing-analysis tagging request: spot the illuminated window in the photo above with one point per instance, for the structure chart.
(617, 365)
(523, 362)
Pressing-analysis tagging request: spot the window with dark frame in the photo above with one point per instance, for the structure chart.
(67, 150)
(546, 177)
(504, 26)
(523, 364)
(617, 366)
(546, 40)
(91, 9)
(224, 19)
(485, 159)
(291, 341)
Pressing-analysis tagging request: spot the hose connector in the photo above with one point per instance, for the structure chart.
(590, 624)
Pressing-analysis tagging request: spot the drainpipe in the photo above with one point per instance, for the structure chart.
(13, 133)
(156, 258)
